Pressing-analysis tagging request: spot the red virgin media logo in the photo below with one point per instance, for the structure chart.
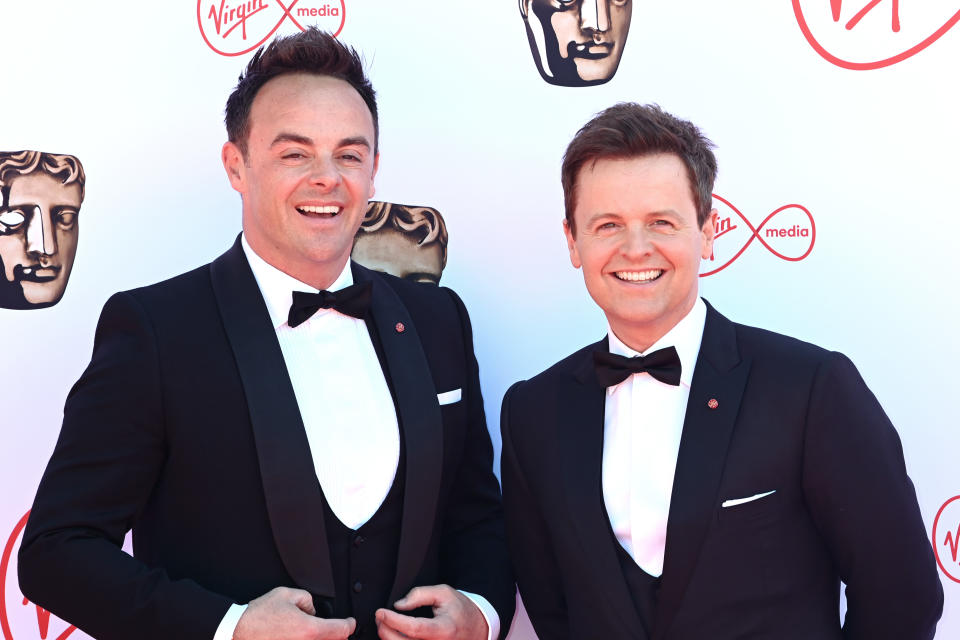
(233, 28)
(871, 34)
(788, 233)
(20, 619)
(946, 538)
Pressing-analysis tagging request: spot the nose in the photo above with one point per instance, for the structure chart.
(594, 15)
(41, 238)
(636, 243)
(324, 174)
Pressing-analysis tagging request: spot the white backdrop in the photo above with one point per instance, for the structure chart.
(468, 127)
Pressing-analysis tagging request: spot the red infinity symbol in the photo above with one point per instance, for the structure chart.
(218, 13)
(835, 6)
(756, 234)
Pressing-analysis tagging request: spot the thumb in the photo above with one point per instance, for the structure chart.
(340, 628)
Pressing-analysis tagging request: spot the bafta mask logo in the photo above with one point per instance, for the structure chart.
(577, 43)
(40, 196)
(404, 241)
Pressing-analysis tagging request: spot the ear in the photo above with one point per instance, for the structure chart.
(571, 245)
(373, 175)
(709, 232)
(235, 166)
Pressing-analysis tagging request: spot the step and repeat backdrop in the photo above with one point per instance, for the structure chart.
(837, 137)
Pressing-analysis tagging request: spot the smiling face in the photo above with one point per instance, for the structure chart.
(38, 236)
(638, 243)
(307, 176)
(577, 42)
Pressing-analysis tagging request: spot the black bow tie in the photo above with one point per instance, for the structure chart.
(663, 364)
(352, 301)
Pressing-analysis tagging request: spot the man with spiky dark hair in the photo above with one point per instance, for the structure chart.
(298, 443)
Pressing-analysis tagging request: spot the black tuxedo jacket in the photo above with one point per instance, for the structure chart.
(185, 427)
(791, 418)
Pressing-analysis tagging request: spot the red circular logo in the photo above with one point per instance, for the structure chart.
(871, 34)
(16, 613)
(946, 536)
(233, 28)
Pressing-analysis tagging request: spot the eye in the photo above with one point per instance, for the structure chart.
(293, 155)
(11, 220)
(350, 156)
(619, 3)
(67, 218)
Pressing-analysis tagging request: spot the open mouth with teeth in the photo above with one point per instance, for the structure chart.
(648, 275)
(328, 211)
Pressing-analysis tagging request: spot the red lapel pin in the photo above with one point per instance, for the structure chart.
(712, 403)
(400, 328)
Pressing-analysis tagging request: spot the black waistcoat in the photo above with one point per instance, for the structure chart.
(364, 561)
(642, 586)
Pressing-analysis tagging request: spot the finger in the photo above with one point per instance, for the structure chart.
(406, 625)
(422, 597)
(386, 632)
(336, 627)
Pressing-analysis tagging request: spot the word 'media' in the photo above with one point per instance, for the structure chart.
(796, 231)
(313, 12)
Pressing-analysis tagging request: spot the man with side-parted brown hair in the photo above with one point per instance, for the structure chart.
(297, 442)
(687, 477)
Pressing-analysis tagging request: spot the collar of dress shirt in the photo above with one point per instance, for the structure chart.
(685, 336)
(277, 287)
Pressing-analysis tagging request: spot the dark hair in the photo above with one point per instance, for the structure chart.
(629, 130)
(310, 51)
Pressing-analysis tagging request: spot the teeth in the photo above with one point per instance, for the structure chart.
(312, 209)
(639, 276)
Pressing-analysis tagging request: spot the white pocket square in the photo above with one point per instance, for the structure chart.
(736, 501)
(449, 397)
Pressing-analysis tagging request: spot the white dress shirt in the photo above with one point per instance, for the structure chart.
(346, 407)
(642, 423)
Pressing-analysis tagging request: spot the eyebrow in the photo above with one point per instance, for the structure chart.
(291, 137)
(304, 140)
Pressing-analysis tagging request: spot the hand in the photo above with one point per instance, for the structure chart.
(288, 614)
(455, 617)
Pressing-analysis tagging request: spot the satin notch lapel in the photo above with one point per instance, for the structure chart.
(292, 491)
(714, 403)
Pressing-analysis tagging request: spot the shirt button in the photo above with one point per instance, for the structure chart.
(357, 586)
(359, 540)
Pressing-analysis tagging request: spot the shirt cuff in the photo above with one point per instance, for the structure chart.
(489, 614)
(229, 623)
